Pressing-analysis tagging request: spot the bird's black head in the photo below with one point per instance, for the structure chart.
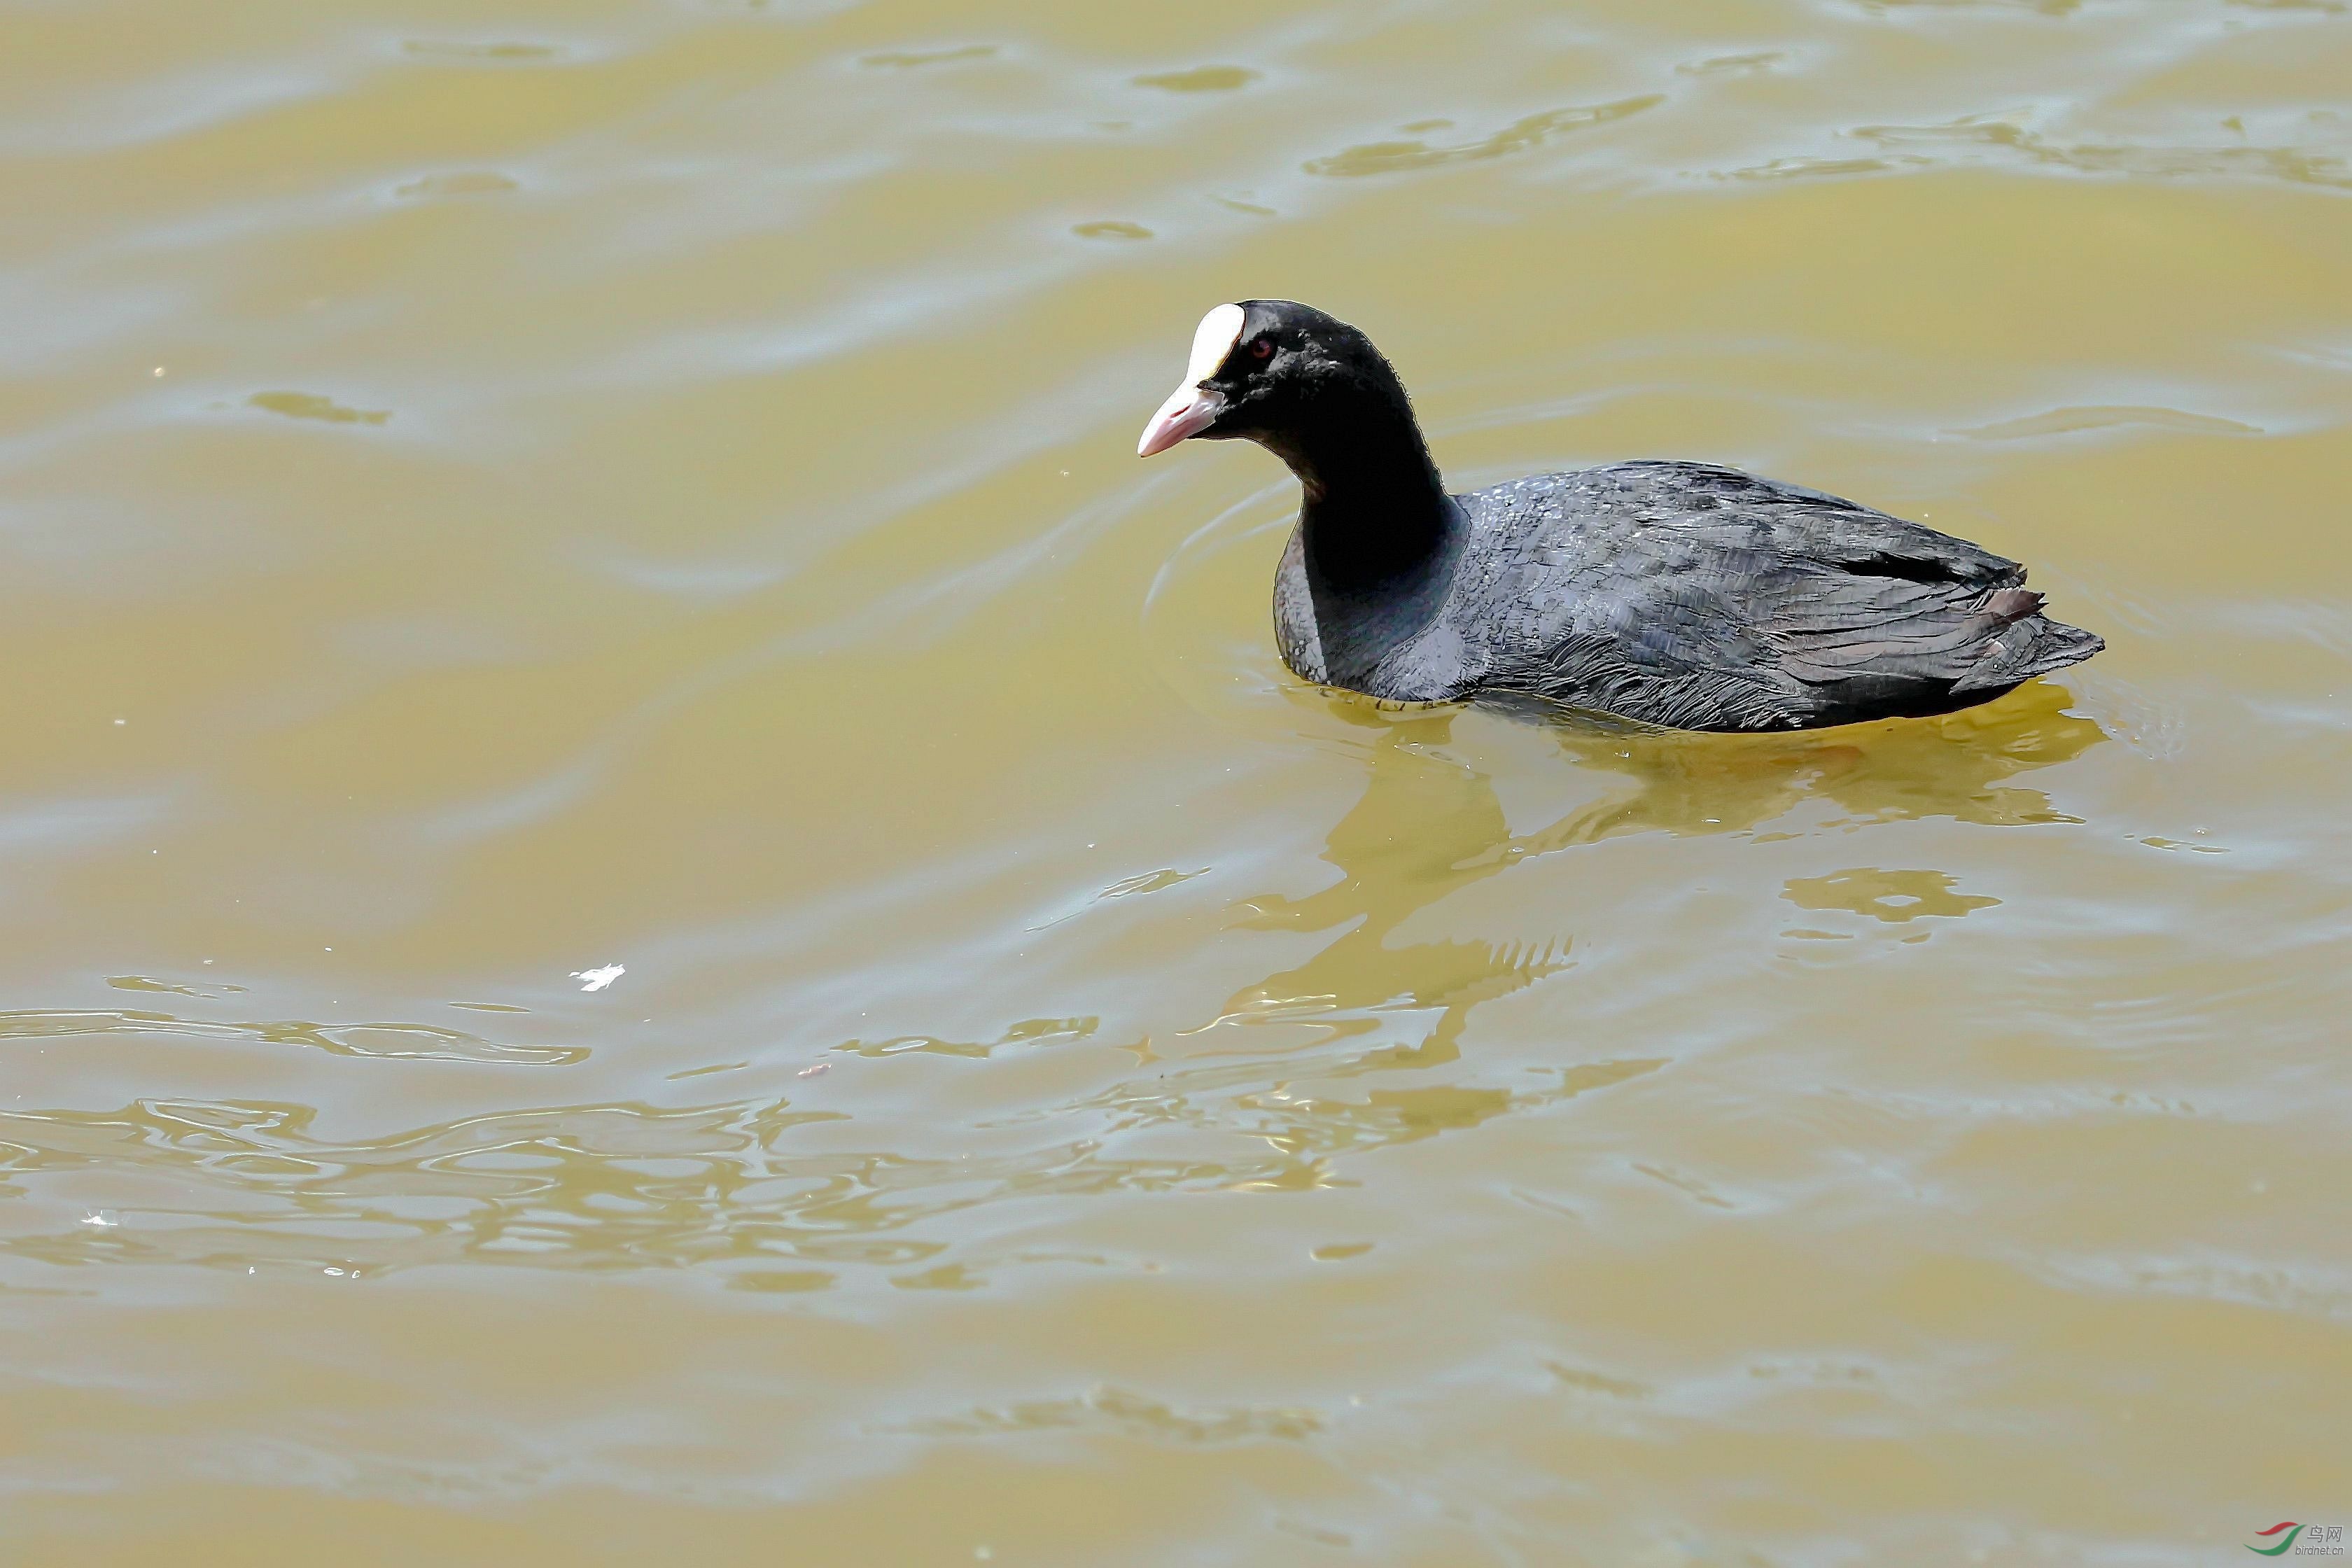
(1287, 376)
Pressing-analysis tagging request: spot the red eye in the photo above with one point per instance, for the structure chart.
(1261, 348)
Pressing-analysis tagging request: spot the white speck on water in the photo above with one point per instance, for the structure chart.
(812, 1072)
(159, 370)
(123, 721)
(103, 1218)
(597, 979)
(336, 1272)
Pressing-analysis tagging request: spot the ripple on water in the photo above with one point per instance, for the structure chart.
(1733, 65)
(1974, 139)
(422, 1042)
(1894, 897)
(1201, 79)
(1134, 1415)
(2074, 421)
(148, 982)
(912, 60)
(1519, 136)
(316, 405)
(628, 1185)
(491, 53)
(1028, 1032)
(472, 183)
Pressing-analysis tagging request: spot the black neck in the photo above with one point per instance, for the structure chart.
(1380, 536)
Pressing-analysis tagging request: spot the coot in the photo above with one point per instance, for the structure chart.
(1681, 594)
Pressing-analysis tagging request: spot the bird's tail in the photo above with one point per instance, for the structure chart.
(2031, 642)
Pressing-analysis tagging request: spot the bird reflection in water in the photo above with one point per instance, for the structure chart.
(1893, 770)
(1429, 824)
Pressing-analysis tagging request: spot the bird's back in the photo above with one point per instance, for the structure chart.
(1701, 598)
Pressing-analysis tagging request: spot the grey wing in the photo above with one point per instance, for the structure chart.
(1637, 613)
(1876, 615)
(1705, 599)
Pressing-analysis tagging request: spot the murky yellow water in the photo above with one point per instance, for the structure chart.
(491, 490)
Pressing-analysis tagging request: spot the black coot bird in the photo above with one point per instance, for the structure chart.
(1680, 594)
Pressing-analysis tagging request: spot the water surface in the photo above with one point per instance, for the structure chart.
(492, 492)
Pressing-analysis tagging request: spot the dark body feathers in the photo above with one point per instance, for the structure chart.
(1699, 597)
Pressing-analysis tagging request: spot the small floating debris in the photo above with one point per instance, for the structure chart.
(597, 979)
(818, 1070)
(103, 1218)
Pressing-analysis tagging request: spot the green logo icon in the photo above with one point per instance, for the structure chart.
(2302, 1540)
